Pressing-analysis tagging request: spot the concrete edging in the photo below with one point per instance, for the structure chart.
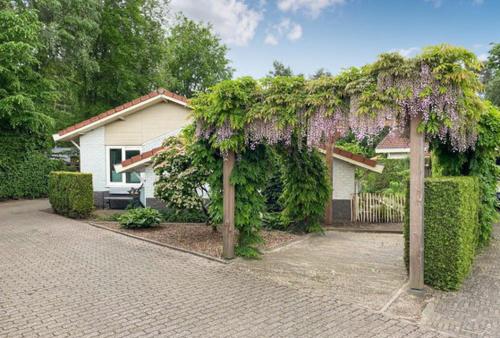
(173, 247)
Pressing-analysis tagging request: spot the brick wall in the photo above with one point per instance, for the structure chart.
(343, 180)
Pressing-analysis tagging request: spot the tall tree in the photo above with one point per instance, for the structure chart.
(492, 75)
(279, 69)
(69, 29)
(128, 51)
(26, 98)
(195, 58)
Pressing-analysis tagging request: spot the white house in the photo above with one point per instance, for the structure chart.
(121, 133)
(118, 146)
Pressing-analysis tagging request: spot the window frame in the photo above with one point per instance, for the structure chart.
(123, 183)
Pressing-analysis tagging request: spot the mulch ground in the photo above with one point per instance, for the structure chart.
(198, 237)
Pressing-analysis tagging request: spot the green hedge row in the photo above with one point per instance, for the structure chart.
(451, 226)
(26, 176)
(71, 194)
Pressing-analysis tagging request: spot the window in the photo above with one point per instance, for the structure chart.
(115, 155)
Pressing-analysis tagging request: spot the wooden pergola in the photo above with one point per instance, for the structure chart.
(417, 142)
(439, 88)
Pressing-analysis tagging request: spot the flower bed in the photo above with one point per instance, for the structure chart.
(197, 237)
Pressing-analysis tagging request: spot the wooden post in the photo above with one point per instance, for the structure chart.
(229, 206)
(417, 170)
(329, 165)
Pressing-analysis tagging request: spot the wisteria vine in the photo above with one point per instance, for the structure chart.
(441, 85)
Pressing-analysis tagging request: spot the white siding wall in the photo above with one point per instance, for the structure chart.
(93, 157)
(343, 180)
(149, 181)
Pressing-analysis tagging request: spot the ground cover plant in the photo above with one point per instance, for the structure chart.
(140, 218)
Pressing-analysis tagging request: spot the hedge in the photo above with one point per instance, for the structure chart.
(26, 176)
(451, 230)
(71, 194)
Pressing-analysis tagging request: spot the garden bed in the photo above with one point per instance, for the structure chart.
(197, 237)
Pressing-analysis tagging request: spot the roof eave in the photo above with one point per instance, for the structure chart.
(113, 117)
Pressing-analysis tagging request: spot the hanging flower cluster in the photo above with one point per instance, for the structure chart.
(441, 86)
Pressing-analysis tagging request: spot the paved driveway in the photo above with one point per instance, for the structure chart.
(63, 277)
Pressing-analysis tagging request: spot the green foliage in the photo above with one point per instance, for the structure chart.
(140, 218)
(26, 176)
(26, 98)
(249, 177)
(305, 189)
(451, 230)
(71, 193)
(279, 69)
(393, 180)
(184, 216)
(480, 163)
(181, 184)
(195, 58)
(492, 75)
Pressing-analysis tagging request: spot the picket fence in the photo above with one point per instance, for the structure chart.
(378, 208)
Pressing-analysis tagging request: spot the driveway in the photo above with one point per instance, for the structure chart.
(61, 277)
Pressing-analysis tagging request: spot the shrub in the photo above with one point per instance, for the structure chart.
(184, 216)
(140, 218)
(70, 193)
(451, 230)
(27, 176)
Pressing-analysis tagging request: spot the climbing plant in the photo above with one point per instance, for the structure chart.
(440, 86)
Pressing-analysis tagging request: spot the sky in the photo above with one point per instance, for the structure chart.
(336, 34)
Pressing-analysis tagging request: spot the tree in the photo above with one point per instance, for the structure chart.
(128, 50)
(26, 98)
(195, 58)
(320, 72)
(492, 75)
(279, 69)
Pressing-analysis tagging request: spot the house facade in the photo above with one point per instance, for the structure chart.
(121, 133)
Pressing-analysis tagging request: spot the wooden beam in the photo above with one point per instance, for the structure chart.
(329, 165)
(229, 207)
(417, 170)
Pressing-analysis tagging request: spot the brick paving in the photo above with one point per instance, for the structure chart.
(474, 311)
(60, 277)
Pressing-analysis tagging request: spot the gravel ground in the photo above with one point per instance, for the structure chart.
(198, 237)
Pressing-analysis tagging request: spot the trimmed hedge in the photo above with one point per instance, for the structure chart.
(451, 224)
(26, 176)
(71, 194)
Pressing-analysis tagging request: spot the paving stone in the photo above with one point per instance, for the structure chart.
(71, 279)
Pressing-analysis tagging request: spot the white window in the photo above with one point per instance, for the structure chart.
(115, 155)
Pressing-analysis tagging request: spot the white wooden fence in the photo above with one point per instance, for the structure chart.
(378, 208)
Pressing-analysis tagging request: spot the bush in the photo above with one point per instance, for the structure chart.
(26, 177)
(140, 218)
(184, 216)
(451, 230)
(70, 193)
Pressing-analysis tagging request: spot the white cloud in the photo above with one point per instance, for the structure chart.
(271, 40)
(477, 2)
(233, 20)
(312, 7)
(285, 28)
(407, 52)
(295, 32)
